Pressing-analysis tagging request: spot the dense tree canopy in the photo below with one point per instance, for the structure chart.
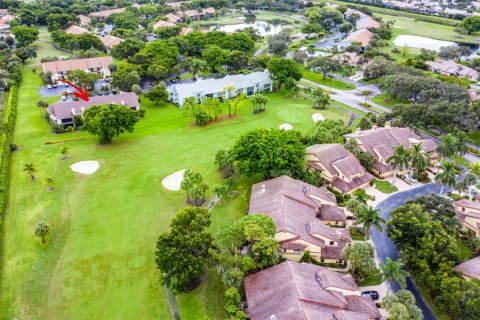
(183, 253)
(270, 153)
(108, 121)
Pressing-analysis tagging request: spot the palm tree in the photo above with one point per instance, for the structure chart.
(461, 143)
(475, 169)
(195, 66)
(370, 217)
(49, 182)
(276, 22)
(400, 160)
(30, 169)
(420, 160)
(447, 177)
(64, 152)
(42, 230)
(392, 271)
(450, 223)
(447, 146)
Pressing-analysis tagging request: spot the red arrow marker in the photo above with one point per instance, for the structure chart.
(82, 94)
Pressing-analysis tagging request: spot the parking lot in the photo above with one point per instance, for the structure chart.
(45, 92)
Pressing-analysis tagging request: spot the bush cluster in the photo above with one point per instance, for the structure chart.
(5, 143)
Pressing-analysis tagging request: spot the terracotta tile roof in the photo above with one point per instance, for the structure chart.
(110, 41)
(107, 13)
(354, 183)
(450, 67)
(363, 304)
(467, 204)
(73, 29)
(84, 20)
(331, 213)
(63, 110)
(362, 35)
(173, 18)
(176, 4)
(163, 24)
(81, 64)
(301, 291)
(296, 207)
(347, 58)
(380, 141)
(470, 268)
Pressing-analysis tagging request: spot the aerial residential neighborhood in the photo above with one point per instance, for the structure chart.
(262, 160)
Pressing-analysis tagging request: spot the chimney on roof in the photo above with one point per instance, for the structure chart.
(374, 127)
(388, 124)
(73, 111)
(357, 130)
(83, 109)
(122, 102)
(263, 188)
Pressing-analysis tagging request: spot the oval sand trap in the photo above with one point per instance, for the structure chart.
(173, 181)
(285, 126)
(85, 167)
(317, 117)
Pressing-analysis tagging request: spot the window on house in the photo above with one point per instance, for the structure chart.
(336, 222)
(322, 260)
(331, 243)
(296, 251)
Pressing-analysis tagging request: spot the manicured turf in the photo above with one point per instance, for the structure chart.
(382, 100)
(385, 186)
(409, 26)
(330, 82)
(99, 260)
(372, 280)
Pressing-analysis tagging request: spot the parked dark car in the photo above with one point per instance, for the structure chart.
(372, 294)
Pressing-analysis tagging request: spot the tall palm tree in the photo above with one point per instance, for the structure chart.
(195, 66)
(399, 160)
(30, 169)
(42, 230)
(369, 217)
(392, 271)
(420, 160)
(450, 223)
(447, 177)
(461, 143)
(475, 169)
(447, 146)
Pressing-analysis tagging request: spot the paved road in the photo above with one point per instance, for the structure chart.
(385, 247)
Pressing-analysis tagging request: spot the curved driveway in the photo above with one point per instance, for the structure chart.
(385, 247)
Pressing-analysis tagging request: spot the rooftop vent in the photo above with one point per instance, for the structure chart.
(307, 226)
(318, 278)
(304, 190)
(263, 188)
(273, 317)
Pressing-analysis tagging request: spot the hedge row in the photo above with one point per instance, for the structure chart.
(5, 155)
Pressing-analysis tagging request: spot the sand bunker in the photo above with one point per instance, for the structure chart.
(317, 117)
(285, 126)
(85, 167)
(173, 181)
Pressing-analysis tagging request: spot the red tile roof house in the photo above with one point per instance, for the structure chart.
(62, 113)
(59, 69)
(303, 215)
(110, 41)
(379, 142)
(468, 215)
(451, 68)
(338, 166)
(470, 269)
(200, 15)
(73, 29)
(84, 21)
(303, 291)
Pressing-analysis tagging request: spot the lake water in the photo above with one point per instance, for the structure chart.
(262, 27)
(426, 43)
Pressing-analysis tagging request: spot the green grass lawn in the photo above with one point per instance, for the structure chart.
(333, 83)
(385, 186)
(382, 100)
(408, 26)
(465, 252)
(99, 260)
(373, 280)
(475, 136)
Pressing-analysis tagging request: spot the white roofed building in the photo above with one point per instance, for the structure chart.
(214, 88)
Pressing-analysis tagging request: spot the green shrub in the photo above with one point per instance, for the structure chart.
(6, 145)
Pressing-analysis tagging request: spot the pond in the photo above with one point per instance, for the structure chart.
(264, 28)
(427, 43)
